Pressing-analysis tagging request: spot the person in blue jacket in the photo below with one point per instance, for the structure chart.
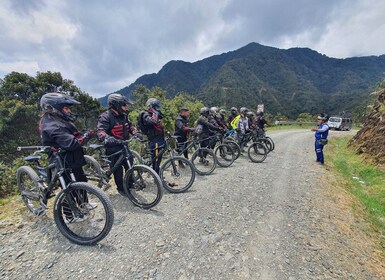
(321, 135)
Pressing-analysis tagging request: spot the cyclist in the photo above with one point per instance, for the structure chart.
(114, 125)
(154, 130)
(261, 122)
(220, 118)
(232, 116)
(252, 120)
(242, 126)
(321, 135)
(205, 128)
(182, 129)
(57, 129)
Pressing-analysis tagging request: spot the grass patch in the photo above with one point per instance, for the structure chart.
(364, 180)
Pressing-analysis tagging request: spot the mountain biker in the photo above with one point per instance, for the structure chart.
(182, 129)
(114, 125)
(220, 118)
(57, 129)
(242, 126)
(206, 128)
(232, 116)
(155, 130)
(261, 122)
(252, 120)
(321, 135)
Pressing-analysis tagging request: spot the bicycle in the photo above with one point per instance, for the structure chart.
(177, 173)
(82, 212)
(257, 151)
(141, 184)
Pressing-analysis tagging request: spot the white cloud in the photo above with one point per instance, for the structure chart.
(29, 67)
(105, 45)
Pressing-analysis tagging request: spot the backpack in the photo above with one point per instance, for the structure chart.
(198, 129)
(142, 126)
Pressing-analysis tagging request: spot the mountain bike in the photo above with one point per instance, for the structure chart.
(257, 152)
(82, 212)
(142, 186)
(176, 172)
(261, 135)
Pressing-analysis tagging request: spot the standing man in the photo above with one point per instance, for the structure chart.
(321, 135)
(182, 129)
(114, 125)
(154, 130)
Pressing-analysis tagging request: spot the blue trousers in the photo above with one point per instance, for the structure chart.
(319, 151)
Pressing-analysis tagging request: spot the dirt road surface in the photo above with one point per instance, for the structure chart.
(281, 219)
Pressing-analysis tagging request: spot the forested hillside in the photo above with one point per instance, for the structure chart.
(287, 81)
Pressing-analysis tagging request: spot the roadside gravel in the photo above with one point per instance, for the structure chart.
(280, 219)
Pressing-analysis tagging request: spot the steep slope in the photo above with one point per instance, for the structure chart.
(286, 81)
(370, 140)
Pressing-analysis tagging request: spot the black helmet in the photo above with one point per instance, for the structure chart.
(116, 101)
(243, 110)
(205, 111)
(54, 103)
(250, 114)
(323, 117)
(222, 111)
(154, 104)
(213, 110)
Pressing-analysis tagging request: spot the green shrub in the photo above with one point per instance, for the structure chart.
(8, 184)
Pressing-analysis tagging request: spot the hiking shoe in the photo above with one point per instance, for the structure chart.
(172, 185)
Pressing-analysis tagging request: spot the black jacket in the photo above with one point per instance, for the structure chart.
(56, 132)
(207, 127)
(118, 126)
(155, 128)
(181, 127)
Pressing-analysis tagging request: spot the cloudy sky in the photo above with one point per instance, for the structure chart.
(104, 45)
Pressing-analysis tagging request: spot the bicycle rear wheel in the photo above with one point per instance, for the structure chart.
(204, 161)
(143, 186)
(257, 152)
(178, 174)
(224, 155)
(93, 171)
(30, 189)
(83, 213)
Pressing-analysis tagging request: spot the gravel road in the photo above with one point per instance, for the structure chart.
(280, 219)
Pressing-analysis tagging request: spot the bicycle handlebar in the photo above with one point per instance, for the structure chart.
(37, 148)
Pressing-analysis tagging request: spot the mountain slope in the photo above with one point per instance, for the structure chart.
(286, 81)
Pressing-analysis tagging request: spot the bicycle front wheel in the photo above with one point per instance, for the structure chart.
(204, 161)
(224, 155)
(272, 145)
(143, 186)
(178, 174)
(257, 152)
(83, 214)
(234, 145)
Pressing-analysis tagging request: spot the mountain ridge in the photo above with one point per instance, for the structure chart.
(287, 81)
